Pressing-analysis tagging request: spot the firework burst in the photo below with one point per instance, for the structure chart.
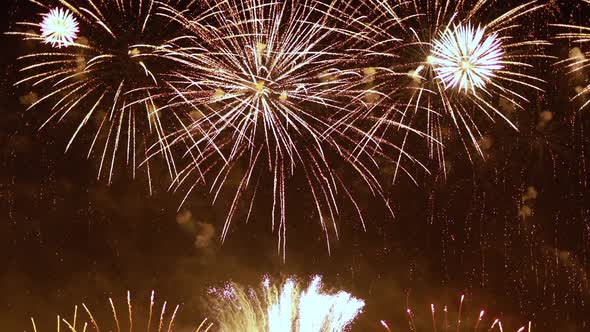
(445, 324)
(108, 79)
(265, 90)
(161, 320)
(284, 308)
(444, 65)
(59, 28)
(464, 60)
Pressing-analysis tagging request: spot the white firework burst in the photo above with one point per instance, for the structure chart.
(449, 66)
(284, 307)
(107, 81)
(59, 28)
(465, 58)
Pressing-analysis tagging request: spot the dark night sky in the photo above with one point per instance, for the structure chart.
(67, 237)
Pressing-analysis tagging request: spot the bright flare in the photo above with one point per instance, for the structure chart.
(466, 58)
(285, 308)
(59, 28)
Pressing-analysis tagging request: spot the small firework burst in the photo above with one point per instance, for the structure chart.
(163, 321)
(465, 58)
(59, 28)
(284, 308)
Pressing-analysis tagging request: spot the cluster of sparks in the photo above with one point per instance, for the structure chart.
(444, 324)
(268, 90)
(164, 322)
(286, 307)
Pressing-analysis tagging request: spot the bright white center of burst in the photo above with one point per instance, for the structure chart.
(315, 310)
(466, 58)
(59, 28)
